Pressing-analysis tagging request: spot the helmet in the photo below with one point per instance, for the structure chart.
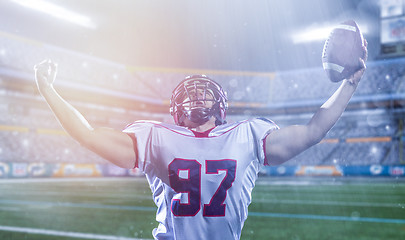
(197, 89)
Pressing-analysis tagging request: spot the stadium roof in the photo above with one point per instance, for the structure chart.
(210, 34)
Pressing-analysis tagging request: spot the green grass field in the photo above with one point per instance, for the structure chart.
(282, 208)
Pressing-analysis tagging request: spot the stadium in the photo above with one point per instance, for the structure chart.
(121, 63)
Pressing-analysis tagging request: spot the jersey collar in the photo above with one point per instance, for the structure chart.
(202, 134)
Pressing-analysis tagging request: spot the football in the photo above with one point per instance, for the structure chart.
(342, 50)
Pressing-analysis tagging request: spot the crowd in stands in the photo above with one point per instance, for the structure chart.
(29, 132)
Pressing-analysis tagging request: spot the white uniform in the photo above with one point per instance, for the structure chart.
(201, 183)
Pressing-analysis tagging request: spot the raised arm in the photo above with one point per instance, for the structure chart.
(285, 143)
(113, 145)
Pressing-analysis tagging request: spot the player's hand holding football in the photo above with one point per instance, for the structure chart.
(356, 77)
(45, 74)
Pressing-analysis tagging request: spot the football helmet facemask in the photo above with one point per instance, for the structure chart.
(192, 97)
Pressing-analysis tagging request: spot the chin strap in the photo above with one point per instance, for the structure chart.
(216, 112)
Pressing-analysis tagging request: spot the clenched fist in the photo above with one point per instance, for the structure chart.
(45, 74)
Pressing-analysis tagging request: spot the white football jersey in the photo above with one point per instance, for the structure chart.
(201, 182)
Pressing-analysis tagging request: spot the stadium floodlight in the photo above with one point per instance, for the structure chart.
(58, 12)
(313, 34)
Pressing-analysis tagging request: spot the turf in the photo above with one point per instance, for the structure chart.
(282, 208)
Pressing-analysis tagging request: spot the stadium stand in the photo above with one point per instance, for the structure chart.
(370, 132)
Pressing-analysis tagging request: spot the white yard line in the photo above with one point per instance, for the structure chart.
(330, 203)
(63, 234)
(70, 179)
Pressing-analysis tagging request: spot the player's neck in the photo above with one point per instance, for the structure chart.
(206, 126)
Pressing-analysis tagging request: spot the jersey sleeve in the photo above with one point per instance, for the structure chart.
(141, 134)
(261, 128)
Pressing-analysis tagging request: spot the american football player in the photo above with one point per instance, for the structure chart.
(201, 170)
